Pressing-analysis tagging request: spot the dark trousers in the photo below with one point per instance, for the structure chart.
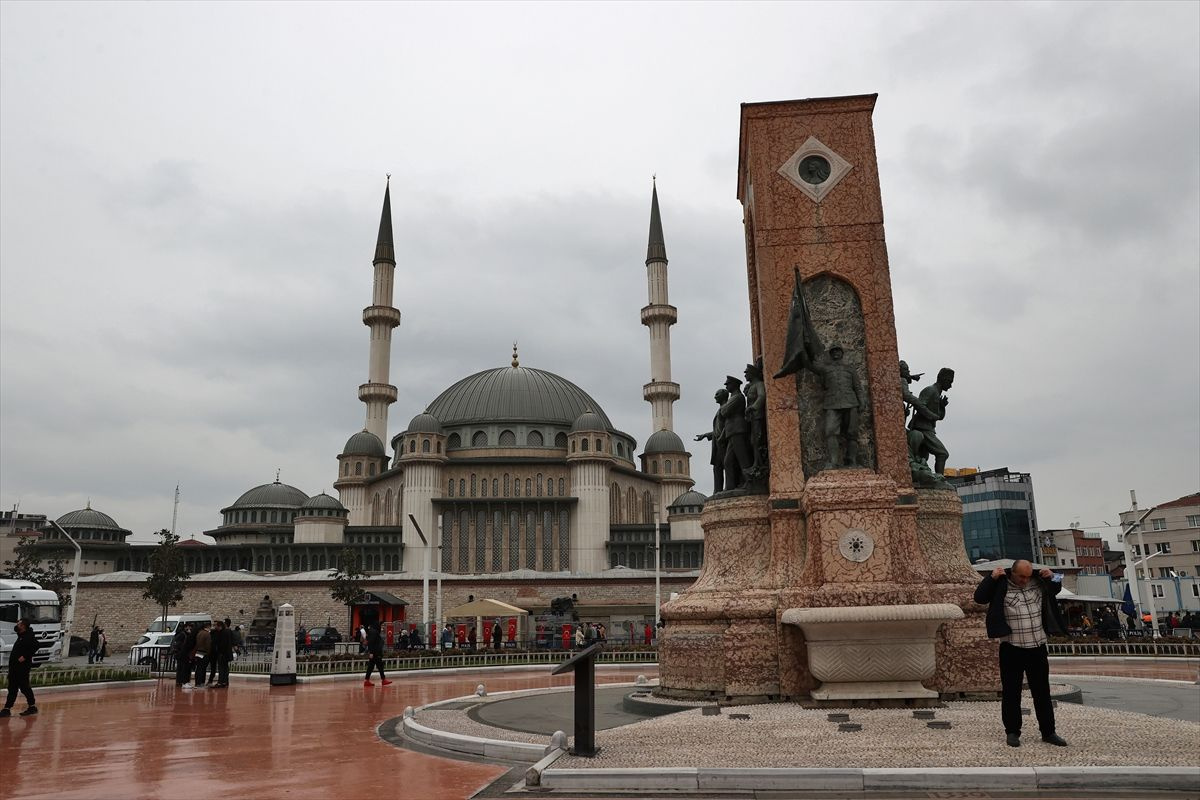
(222, 670)
(201, 669)
(183, 670)
(18, 681)
(212, 669)
(1033, 664)
(374, 662)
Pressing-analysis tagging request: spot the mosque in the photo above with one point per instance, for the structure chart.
(510, 469)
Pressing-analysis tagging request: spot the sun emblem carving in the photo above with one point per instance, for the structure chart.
(856, 545)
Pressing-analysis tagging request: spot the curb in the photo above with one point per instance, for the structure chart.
(474, 745)
(692, 779)
(334, 676)
(84, 687)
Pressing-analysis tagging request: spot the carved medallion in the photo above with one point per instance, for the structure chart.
(815, 169)
(856, 545)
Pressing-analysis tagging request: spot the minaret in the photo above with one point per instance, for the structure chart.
(381, 316)
(658, 316)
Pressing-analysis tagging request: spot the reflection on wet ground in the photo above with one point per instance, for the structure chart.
(249, 741)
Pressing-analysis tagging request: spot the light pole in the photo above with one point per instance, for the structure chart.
(657, 562)
(424, 576)
(70, 621)
(1132, 570)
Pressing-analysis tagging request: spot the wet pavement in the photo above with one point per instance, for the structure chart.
(248, 741)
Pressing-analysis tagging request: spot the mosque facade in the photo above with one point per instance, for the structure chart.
(509, 470)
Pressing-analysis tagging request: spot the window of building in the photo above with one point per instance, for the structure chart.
(599, 446)
(450, 488)
(346, 468)
(507, 487)
(483, 487)
(535, 439)
(583, 445)
(1157, 590)
(473, 484)
(371, 468)
(1164, 547)
(679, 467)
(654, 467)
(508, 438)
(560, 440)
(454, 442)
(462, 487)
(562, 485)
(529, 490)
(479, 439)
(1193, 520)
(439, 449)
(424, 445)
(539, 484)
(495, 487)
(358, 468)
(1196, 545)
(668, 465)
(1159, 524)
(412, 445)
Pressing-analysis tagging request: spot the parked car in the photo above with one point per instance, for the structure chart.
(151, 649)
(324, 638)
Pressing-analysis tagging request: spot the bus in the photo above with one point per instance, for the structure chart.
(28, 600)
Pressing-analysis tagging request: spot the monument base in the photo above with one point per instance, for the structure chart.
(283, 680)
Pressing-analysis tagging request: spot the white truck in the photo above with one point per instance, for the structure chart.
(28, 600)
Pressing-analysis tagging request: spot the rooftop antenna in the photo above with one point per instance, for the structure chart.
(277, 475)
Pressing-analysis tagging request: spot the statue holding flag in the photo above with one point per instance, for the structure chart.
(803, 347)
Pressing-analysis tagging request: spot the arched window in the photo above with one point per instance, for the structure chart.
(274, 516)
(450, 488)
(550, 487)
(647, 508)
(583, 445)
(479, 439)
(412, 445)
(517, 487)
(599, 446)
(508, 438)
(375, 510)
(612, 560)
(346, 468)
(279, 563)
(631, 501)
(483, 487)
(529, 489)
(371, 468)
(439, 447)
(454, 442)
(495, 487)
(562, 485)
(473, 488)
(654, 467)
(679, 467)
(462, 487)
(667, 465)
(262, 564)
(614, 505)
(358, 468)
(387, 507)
(304, 563)
(539, 484)
(572, 446)
(535, 439)
(424, 445)
(560, 440)
(507, 489)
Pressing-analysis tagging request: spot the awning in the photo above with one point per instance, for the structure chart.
(376, 596)
(485, 608)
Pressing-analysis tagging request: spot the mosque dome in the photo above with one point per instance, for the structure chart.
(688, 501)
(90, 519)
(271, 495)
(363, 443)
(514, 394)
(589, 421)
(323, 500)
(664, 441)
(425, 423)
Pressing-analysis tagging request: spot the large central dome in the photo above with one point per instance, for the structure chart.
(518, 394)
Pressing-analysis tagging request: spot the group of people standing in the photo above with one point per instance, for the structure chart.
(205, 652)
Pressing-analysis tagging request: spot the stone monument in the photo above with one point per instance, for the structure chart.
(800, 584)
(283, 659)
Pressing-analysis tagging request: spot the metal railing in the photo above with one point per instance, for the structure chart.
(62, 676)
(337, 666)
(1126, 648)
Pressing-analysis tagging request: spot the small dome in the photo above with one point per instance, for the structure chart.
(364, 443)
(589, 421)
(664, 441)
(88, 518)
(692, 498)
(271, 495)
(425, 423)
(323, 500)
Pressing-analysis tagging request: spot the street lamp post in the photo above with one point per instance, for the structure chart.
(657, 565)
(70, 621)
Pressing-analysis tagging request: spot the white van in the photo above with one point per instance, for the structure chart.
(28, 600)
(173, 621)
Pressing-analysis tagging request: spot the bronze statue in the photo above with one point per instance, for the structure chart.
(735, 431)
(756, 418)
(844, 399)
(803, 347)
(906, 378)
(718, 443)
(927, 411)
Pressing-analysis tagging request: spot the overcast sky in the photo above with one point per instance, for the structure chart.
(189, 197)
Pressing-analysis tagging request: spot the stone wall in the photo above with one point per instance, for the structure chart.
(119, 608)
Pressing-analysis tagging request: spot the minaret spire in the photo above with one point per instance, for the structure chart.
(661, 392)
(381, 317)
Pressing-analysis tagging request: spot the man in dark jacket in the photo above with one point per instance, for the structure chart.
(181, 647)
(375, 656)
(222, 647)
(20, 663)
(1021, 612)
(93, 644)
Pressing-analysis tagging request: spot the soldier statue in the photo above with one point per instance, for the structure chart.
(844, 399)
(906, 379)
(735, 432)
(718, 443)
(756, 417)
(929, 409)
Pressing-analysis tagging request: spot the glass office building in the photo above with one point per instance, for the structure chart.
(999, 520)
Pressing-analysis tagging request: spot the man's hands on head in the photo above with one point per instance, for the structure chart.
(1045, 573)
(998, 572)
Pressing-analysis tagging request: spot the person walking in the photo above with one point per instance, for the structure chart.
(200, 656)
(496, 634)
(93, 643)
(20, 666)
(101, 646)
(447, 637)
(375, 656)
(579, 638)
(1021, 612)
